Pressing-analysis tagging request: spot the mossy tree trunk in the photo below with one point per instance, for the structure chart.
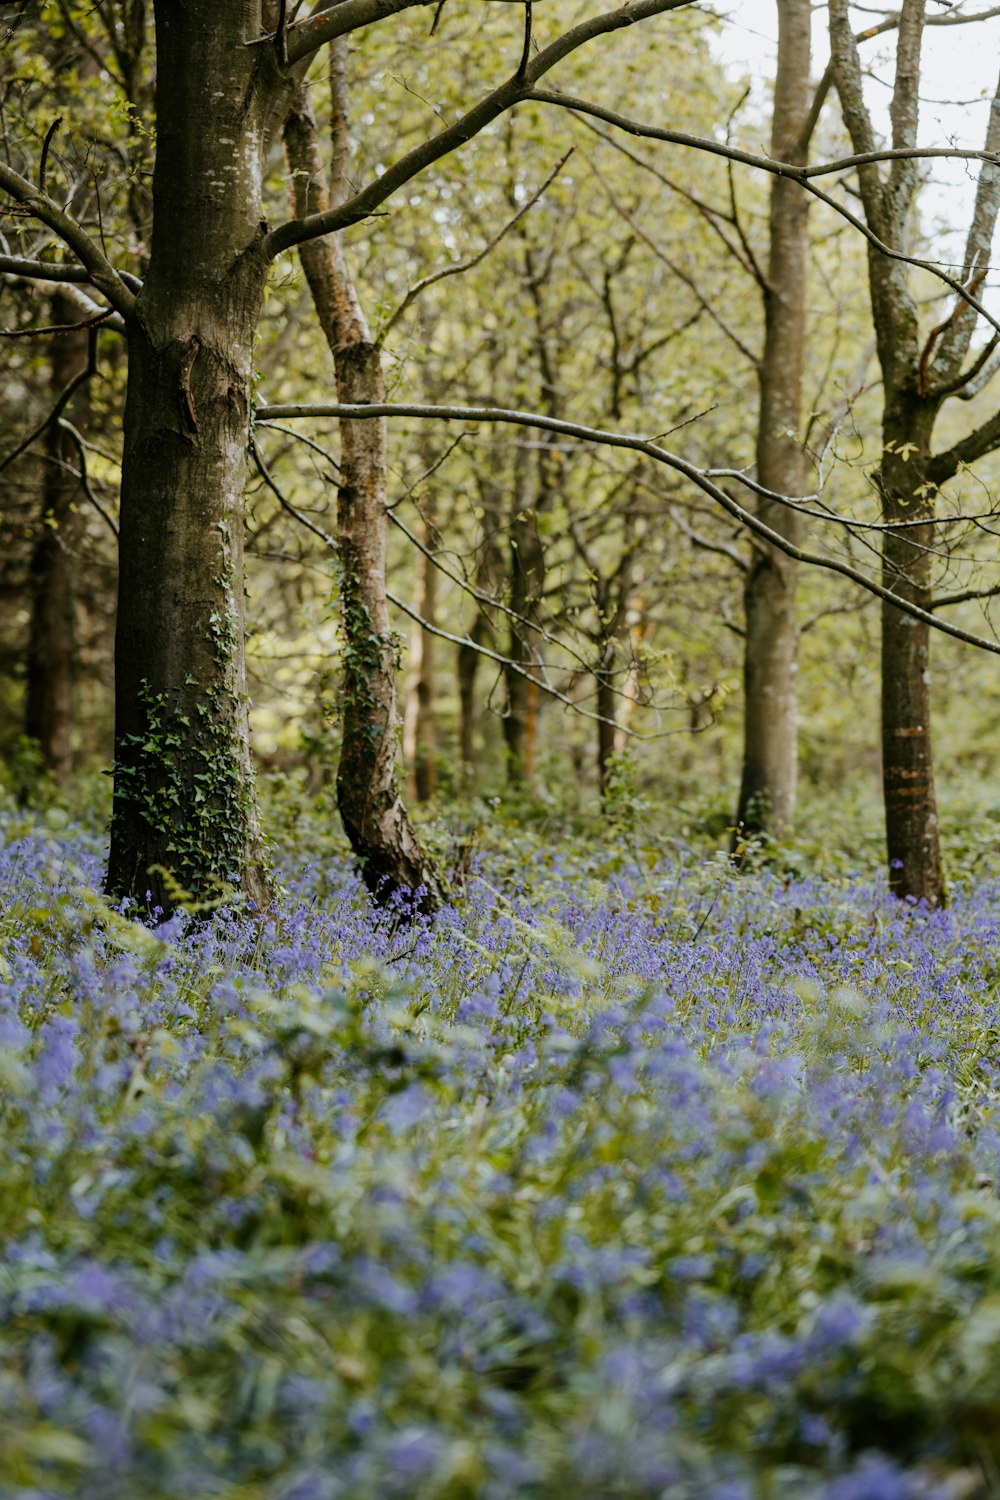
(375, 819)
(184, 785)
(912, 838)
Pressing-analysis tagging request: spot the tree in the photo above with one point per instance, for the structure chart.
(51, 664)
(920, 371)
(770, 725)
(371, 807)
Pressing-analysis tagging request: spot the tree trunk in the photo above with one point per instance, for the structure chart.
(527, 579)
(912, 835)
(770, 750)
(184, 788)
(420, 729)
(375, 819)
(52, 638)
(914, 379)
(606, 704)
(613, 612)
(468, 664)
(489, 571)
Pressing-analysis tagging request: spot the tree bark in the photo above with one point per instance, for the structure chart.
(467, 668)
(912, 838)
(184, 787)
(527, 579)
(420, 728)
(606, 705)
(770, 663)
(489, 571)
(909, 411)
(52, 640)
(375, 820)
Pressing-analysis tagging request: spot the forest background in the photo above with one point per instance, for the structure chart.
(556, 266)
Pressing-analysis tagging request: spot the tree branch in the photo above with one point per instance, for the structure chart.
(800, 174)
(637, 444)
(305, 37)
(85, 306)
(946, 601)
(467, 265)
(985, 439)
(78, 442)
(957, 335)
(499, 100)
(703, 302)
(101, 272)
(61, 403)
(445, 635)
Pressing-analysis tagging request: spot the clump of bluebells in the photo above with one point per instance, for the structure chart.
(623, 1178)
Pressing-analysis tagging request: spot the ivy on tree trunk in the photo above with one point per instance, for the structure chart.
(374, 816)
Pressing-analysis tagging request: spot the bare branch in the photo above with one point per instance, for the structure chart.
(102, 316)
(61, 403)
(526, 50)
(496, 103)
(508, 663)
(638, 444)
(954, 345)
(85, 306)
(946, 601)
(84, 479)
(305, 37)
(801, 174)
(985, 439)
(483, 598)
(45, 270)
(706, 544)
(445, 635)
(734, 207)
(468, 265)
(703, 302)
(43, 160)
(968, 383)
(713, 217)
(101, 272)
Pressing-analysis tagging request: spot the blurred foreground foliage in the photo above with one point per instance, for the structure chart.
(631, 1176)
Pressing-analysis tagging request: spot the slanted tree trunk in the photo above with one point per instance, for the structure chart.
(770, 732)
(48, 718)
(375, 819)
(184, 787)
